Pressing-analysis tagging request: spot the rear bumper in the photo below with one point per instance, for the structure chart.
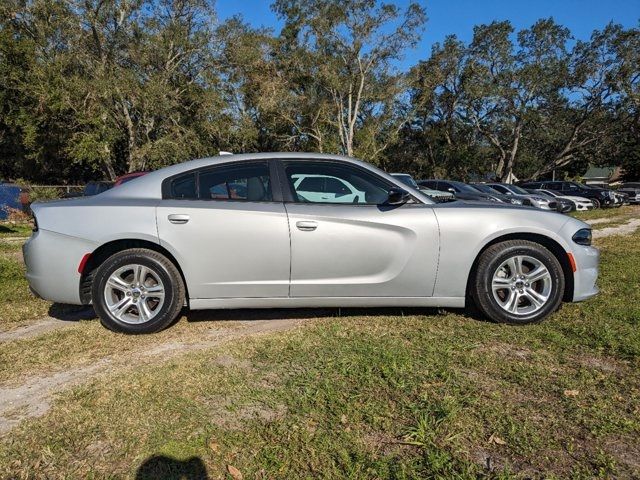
(52, 261)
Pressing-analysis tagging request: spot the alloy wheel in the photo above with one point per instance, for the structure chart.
(134, 294)
(522, 285)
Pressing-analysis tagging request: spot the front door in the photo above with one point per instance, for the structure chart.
(352, 245)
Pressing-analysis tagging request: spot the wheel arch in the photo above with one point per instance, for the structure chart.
(104, 251)
(550, 244)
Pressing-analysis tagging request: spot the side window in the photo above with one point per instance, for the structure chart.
(184, 187)
(567, 186)
(328, 182)
(241, 182)
(446, 187)
(501, 189)
(431, 185)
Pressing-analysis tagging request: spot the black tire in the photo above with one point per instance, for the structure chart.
(490, 263)
(158, 265)
(596, 203)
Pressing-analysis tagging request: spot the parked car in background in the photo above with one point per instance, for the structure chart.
(599, 196)
(128, 177)
(581, 203)
(436, 195)
(10, 198)
(141, 252)
(620, 199)
(563, 205)
(94, 188)
(538, 201)
(91, 188)
(460, 190)
(325, 188)
(483, 187)
(632, 189)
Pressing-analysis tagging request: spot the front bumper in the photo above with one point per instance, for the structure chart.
(587, 261)
(52, 261)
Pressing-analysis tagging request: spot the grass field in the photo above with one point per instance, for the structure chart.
(369, 394)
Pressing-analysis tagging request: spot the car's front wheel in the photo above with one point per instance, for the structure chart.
(137, 291)
(518, 282)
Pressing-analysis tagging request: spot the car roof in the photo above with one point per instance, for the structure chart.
(149, 185)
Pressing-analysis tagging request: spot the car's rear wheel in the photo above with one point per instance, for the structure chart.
(137, 291)
(518, 282)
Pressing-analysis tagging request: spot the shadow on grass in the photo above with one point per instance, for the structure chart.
(248, 314)
(71, 313)
(167, 468)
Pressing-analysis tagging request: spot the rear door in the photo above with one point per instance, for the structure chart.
(357, 247)
(228, 231)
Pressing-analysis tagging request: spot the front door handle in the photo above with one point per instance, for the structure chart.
(178, 218)
(307, 226)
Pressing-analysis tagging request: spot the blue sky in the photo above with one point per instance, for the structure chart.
(459, 16)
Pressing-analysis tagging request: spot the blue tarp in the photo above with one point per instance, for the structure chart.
(9, 197)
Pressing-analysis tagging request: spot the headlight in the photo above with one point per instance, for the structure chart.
(582, 236)
(515, 201)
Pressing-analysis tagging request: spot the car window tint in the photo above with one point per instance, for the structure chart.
(248, 182)
(184, 186)
(327, 182)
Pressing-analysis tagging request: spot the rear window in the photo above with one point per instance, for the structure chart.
(184, 187)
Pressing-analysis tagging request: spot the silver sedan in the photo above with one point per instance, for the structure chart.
(299, 230)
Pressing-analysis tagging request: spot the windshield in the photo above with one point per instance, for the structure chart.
(516, 189)
(406, 179)
(463, 187)
(486, 189)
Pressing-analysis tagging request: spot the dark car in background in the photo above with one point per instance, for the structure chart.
(599, 196)
(632, 189)
(94, 188)
(10, 198)
(461, 190)
(483, 187)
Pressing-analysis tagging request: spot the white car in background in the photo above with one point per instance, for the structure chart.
(324, 188)
(582, 204)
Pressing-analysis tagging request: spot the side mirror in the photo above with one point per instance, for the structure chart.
(398, 196)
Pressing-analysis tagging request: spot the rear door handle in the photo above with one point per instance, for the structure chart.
(307, 226)
(178, 218)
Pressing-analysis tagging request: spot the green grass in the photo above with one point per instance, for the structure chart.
(15, 230)
(367, 395)
(629, 210)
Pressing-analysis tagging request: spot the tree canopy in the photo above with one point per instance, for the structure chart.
(95, 88)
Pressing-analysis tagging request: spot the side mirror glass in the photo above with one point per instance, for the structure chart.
(398, 196)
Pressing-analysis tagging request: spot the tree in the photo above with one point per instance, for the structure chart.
(350, 47)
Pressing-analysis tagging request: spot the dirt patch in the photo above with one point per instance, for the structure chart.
(508, 351)
(600, 363)
(234, 419)
(598, 221)
(42, 326)
(33, 397)
(624, 229)
(228, 361)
